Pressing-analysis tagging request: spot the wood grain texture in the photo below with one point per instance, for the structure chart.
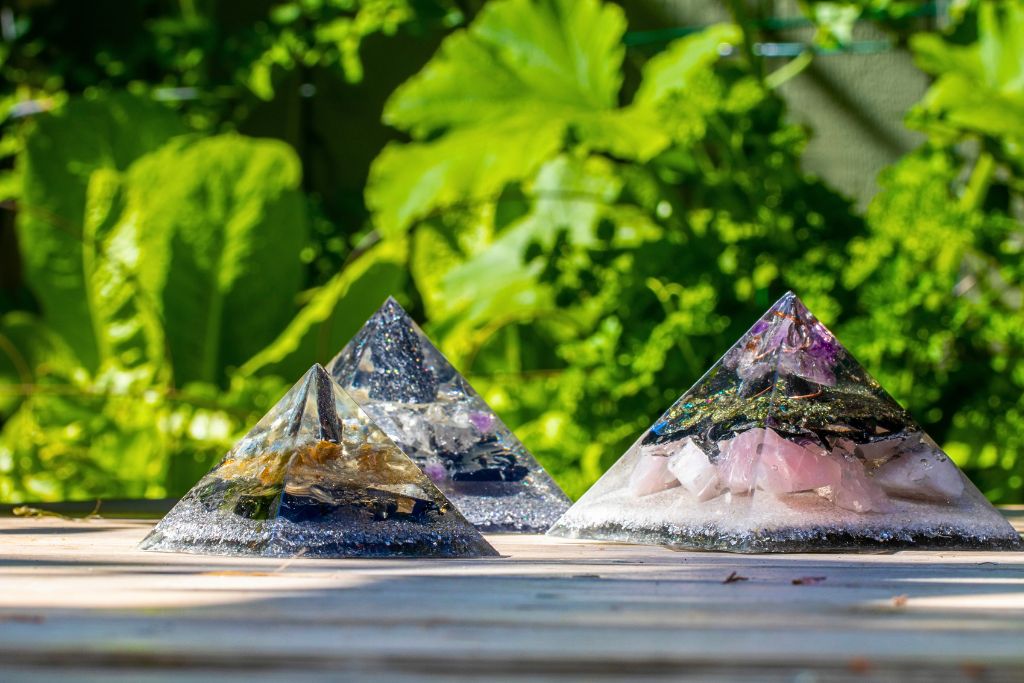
(78, 601)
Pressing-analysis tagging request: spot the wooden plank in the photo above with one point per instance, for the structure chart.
(78, 598)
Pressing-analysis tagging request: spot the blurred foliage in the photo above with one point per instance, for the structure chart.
(583, 228)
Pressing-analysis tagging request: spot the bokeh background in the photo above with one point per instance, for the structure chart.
(584, 203)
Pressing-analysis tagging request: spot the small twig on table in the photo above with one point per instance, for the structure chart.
(37, 513)
(734, 577)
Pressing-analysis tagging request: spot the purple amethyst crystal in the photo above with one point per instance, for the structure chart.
(790, 340)
(482, 421)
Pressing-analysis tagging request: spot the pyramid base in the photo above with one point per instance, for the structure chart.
(803, 522)
(521, 511)
(794, 540)
(192, 528)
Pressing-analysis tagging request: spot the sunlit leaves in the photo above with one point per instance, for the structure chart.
(980, 87)
(222, 224)
(523, 58)
(409, 181)
(60, 154)
(526, 80)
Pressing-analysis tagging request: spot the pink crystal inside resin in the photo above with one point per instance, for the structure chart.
(788, 467)
(695, 473)
(924, 473)
(651, 473)
(855, 491)
(737, 465)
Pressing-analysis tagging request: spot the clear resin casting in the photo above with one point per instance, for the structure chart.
(411, 390)
(787, 444)
(316, 477)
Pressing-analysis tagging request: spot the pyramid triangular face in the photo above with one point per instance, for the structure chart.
(316, 477)
(411, 390)
(787, 444)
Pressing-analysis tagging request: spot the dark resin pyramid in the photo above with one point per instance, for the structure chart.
(787, 444)
(316, 477)
(411, 390)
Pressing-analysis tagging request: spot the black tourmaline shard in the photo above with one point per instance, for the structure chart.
(316, 477)
(411, 390)
(787, 444)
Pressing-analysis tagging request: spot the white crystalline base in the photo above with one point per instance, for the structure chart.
(191, 528)
(803, 522)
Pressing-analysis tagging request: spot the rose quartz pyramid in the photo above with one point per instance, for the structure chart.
(787, 444)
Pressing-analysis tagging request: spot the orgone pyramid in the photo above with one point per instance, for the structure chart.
(316, 477)
(787, 444)
(411, 390)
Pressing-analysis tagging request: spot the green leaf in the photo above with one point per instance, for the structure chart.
(632, 133)
(503, 94)
(221, 222)
(335, 312)
(674, 70)
(522, 58)
(407, 182)
(1001, 45)
(126, 318)
(29, 352)
(569, 196)
(60, 154)
(980, 87)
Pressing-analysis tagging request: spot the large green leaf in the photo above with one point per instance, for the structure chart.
(60, 154)
(334, 313)
(502, 95)
(501, 98)
(129, 333)
(537, 58)
(569, 196)
(409, 181)
(674, 70)
(220, 223)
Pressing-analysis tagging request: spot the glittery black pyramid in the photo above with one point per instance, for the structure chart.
(411, 390)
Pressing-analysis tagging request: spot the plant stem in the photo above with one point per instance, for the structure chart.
(791, 69)
(977, 185)
(738, 10)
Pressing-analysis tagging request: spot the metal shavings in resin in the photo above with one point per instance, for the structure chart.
(415, 395)
(787, 444)
(315, 477)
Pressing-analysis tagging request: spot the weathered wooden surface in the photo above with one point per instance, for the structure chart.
(77, 601)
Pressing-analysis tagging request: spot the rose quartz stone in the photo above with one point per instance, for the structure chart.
(763, 458)
(880, 450)
(737, 467)
(696, 474)
(789, 467)
(651, 473)
(923, 472)
(856, 491)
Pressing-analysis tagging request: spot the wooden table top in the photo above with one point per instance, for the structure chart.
(78, 600)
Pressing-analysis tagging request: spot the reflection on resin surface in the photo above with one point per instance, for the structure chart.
(408, 387)
(316, 477)
(787, 444)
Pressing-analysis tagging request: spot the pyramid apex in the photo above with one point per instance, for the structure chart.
(786, 299)
(392, 302)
